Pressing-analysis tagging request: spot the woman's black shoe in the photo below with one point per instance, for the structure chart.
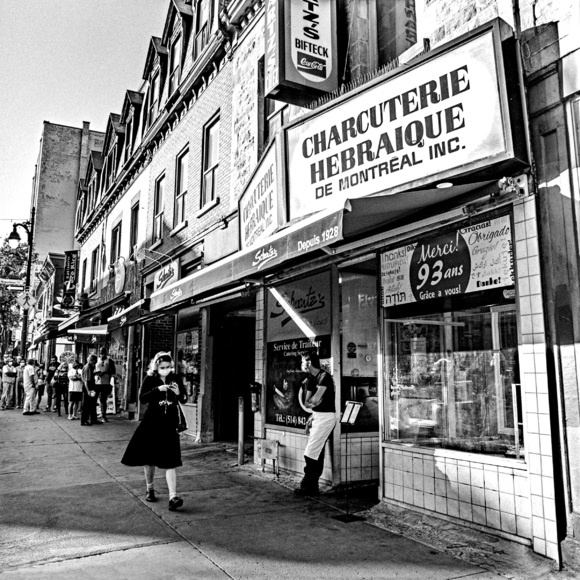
(150, 495)
(175, 503)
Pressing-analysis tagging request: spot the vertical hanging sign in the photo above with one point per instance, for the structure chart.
(71, 269)
(301, 55)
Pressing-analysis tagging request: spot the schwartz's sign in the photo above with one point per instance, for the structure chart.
(301, 55)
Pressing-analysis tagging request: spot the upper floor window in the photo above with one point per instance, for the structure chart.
(158, 208)
(134, 233)
(128, 138)
(94, 268)
(210, 161)
(84, 275)
(396, 28)
(175, 65)
(201, 27)
(115, 243)
(181, 186)
(153, 100)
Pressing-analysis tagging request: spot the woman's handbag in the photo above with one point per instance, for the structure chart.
(182, 423)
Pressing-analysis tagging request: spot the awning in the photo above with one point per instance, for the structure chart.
(98, 330)
(137, 313)
(49, 335)
(66, 324)
(357, 217)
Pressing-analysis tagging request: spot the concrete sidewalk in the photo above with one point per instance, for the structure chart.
(68, 508)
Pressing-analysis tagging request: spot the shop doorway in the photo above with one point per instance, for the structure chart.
(232, 328)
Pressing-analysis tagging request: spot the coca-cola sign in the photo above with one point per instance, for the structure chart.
(301, 50)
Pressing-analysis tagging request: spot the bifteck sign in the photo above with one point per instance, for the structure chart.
(446, 116)
(301, 55)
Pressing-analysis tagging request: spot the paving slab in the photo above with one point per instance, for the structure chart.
(72, 522)
(176, 561)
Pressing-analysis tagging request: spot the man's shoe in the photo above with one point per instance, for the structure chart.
(175, 503)
(150, 495)
(104, 420)
(84, 424)
(306, 491)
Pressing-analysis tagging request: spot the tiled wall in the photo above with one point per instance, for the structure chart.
(363, 457)
(487, 494)
(512, 498)
(534, 379)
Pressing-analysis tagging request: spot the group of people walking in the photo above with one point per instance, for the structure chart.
(70, 385)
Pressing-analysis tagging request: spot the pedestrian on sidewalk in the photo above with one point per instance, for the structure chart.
(104, 379)
(60, 381)
(41, 383)
(320, 398)
(75, 390)
(89, 402)
(50, 392)
(155, 442)
(8, 384)
(20, 383)
(29, 380)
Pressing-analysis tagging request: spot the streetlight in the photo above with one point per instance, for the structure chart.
(13, 241)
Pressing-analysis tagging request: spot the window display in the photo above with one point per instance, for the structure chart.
(188, 351)
(452, 380)
(359, 337)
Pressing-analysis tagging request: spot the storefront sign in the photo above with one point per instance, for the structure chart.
(166, 275)
(70, 277)
(299, 309)
(474, 258)
(301, 55)
(119, 275)
(258, 206)
(441, 118)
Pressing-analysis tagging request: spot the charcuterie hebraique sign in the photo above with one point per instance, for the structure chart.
(470, 259)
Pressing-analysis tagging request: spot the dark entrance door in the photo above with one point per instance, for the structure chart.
(233, 328)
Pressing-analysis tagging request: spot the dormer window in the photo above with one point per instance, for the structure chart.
(128, 138)
(153, 99)
(201, 28)
(175, 65)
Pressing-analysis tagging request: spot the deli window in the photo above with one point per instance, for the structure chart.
(188, 351)
(450, 338)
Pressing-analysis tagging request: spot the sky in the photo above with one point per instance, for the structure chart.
(64, 61)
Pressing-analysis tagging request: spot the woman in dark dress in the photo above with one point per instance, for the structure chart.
(155, 442)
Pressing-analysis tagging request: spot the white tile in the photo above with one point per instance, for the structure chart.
(453, 508)
(538, 527)
(544, 424)
(537, 506)
(533, 426)
(491, 499)
(552, 551)
(551, 530)
(490, 478)
(417, 465)
(451, 471)
(507, 503)
(429, 467)
(429, 501)
(531, 403)
(452, 490)
(465, 511)
(479, 515)
(526, 325)
(535, 463)
(524, 527)
(440, 487)
(521, 249)
(477, 477)
(408, 495)
(398, 492)
(531, 228)
(548, 487)
(522, 505)
(540, 546)
(478, 496)
(493, 518)
(388, 490)
(523, 269)
(508, 523)
(418, 482)
(418, 498)
(407, 479)
(440, 504)
(536, 304)
(397, 477)
(506, 483)
(465, 493)
(520, 231)
(428, 484)
(532, 247)
(521, 486)
(463, 474)
(549, 509)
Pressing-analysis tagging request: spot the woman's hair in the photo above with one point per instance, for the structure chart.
(159, 358)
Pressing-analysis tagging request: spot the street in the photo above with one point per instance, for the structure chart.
(69, 508)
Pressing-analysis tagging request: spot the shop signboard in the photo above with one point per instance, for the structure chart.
(70, 277)
(259, 204)
(446, 116)
(470, 259)
(298, 318)
(166, 275)
(301, 55)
